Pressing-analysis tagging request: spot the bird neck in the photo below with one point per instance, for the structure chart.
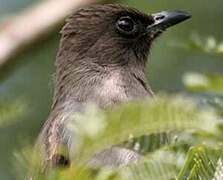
(103, 85)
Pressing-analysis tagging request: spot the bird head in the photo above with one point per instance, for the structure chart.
(113, 34)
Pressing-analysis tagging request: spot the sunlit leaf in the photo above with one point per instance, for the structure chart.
(209, 82)
(135, 119)
(201, 163)
(218, 175)
(160, 166)
(159, 119)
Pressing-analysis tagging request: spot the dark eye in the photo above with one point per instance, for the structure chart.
(126, 25)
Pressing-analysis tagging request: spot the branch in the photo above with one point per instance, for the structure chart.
(20, 31)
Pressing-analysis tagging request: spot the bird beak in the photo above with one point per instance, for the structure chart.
(166, 19)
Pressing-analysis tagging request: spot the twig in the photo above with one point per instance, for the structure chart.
(20, 31)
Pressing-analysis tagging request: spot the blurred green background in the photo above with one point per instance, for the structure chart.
(26, 83)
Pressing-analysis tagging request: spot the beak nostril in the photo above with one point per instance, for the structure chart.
(166, 19)
(159, 17)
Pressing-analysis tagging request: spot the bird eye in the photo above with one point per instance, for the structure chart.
(126, 25)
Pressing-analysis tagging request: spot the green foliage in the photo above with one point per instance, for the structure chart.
(145, 117)
(208, 44)
(160, 165)
(173, 124)
(210, 82)
(201, 163)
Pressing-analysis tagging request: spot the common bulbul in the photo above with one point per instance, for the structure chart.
(101, 59)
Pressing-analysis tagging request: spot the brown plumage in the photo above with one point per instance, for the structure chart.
(101, 59)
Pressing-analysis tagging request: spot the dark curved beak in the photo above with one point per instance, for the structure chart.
(166, 19)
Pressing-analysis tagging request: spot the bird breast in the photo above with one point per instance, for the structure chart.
(111, 90)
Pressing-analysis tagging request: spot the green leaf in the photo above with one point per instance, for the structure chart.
(161, 165)
(136, 119)
(208, 82)
(159, 120)
(201, 163)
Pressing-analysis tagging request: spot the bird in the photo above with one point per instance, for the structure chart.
(102, 57)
